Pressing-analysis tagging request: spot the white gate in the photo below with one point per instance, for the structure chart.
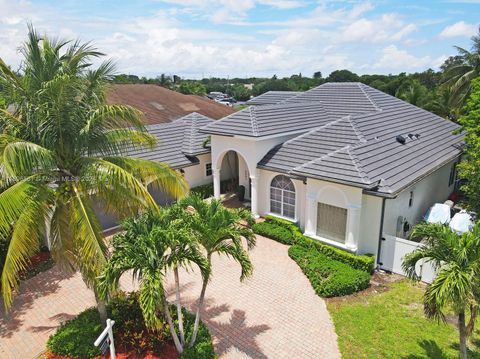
(393, 251)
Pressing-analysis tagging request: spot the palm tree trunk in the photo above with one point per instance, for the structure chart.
(176, 341)
(179, 306)
(200, 305)
(102, 309)
(463, 335)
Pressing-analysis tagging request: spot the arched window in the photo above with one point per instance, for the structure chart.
(282, 196)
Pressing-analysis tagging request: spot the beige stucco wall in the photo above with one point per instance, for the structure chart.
(196, 175)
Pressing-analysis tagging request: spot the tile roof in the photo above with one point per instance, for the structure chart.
(161, 105)
(349, 136)
(272, 97)
(178, 142)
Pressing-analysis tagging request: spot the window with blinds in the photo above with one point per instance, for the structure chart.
(331, 222)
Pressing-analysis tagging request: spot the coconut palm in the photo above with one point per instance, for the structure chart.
(457, 283)
(152, 245)
(460, 76)
(62, 150)
(218, 230)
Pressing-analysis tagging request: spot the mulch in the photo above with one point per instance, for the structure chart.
(168, 352)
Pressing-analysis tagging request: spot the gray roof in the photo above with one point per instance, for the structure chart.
(178, 141)
(361, 149)
(271, 97)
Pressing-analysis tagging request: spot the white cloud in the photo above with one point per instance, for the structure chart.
(458, 29)
(400, 60)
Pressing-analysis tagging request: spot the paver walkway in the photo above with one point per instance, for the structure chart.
(274, 314)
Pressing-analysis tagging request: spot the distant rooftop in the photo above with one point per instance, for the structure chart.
(272, 97)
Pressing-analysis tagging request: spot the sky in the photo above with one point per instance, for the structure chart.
(243, 38)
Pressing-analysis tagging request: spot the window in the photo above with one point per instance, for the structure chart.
(331, 222)
(453, 174)
(208, 169)
(410, 201)
(282, 197)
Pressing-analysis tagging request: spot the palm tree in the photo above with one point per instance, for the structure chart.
(218, 230)
(460, 76)
(62, 149)
(152, 245)
(457, 283)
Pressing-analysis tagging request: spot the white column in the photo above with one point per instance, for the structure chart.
(216, 183)
(310, 214)
(353, 230)
(254, 194)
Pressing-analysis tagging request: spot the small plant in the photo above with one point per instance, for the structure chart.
(75, 337)
(273, 231)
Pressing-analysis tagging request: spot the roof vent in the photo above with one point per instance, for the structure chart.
(415, 136)
(401, 139)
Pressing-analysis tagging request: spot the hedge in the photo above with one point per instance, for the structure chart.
(273, 231)
(328, 277)
(362, 262)
(75, 337)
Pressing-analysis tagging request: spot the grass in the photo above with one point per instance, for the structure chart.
(392, 325)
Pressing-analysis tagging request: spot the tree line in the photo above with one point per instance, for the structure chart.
(442, 92)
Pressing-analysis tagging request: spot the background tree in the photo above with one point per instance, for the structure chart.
(342, 76)
(469, 167)
(457, 283)
(62, 149)
(460, 76)
(219, 231)
(192, 88)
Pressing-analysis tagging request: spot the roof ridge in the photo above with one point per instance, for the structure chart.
(319, 159)
(358, 165)
(313, 130)
(253, 121)
(359, 133)
(360, 86)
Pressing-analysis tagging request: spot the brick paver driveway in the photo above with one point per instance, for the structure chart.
(274, 314)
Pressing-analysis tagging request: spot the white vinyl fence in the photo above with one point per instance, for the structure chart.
(393, 251)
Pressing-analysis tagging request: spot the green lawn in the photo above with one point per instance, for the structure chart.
(392, 325)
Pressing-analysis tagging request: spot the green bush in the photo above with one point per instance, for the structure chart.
(273, 231)
(365, 263)
(362, 262)
(328, 277)
(204, 191)
(75, 337)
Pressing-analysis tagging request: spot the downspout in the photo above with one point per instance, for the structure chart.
(380, 234)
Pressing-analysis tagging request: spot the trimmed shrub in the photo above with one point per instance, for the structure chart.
(362, 262)
(365, 263)
(273, 231)
(75, 337)
(328, 277)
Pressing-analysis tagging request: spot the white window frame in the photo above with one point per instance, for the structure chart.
(282, 201)
(208, 168)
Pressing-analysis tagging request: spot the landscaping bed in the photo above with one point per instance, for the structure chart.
(331, 271)
(75, 338)
(387, 321)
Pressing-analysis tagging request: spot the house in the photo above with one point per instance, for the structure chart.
(161, 105)
(348, 163)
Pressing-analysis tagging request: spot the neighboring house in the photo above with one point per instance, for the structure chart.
(272, 97)
(348, 163)
(161, 105)
(181, 146)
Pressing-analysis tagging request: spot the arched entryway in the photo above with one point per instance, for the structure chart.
(231, 171)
